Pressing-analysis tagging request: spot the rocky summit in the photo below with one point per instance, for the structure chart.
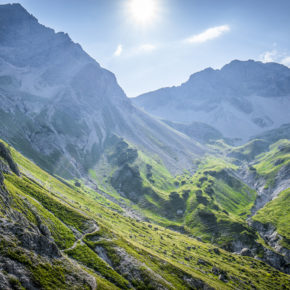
(60, 106)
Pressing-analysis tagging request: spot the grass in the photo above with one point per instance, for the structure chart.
(277, 213)
(218, 203)
(171, 255)
(64, 212)
(268, 164)
(22, 202)
(44, 274)
(250, 150)
(89, 258)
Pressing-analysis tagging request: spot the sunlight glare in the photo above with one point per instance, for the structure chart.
(143, 11)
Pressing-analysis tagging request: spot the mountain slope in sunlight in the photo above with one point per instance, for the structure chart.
(58, 235)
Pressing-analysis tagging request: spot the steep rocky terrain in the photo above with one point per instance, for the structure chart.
(29, 256)
(201, 132)
(242, 99)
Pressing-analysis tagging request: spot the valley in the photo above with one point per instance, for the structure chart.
(182, 188)
(91, 233)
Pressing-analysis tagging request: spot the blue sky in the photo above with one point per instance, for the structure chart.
(182, 37)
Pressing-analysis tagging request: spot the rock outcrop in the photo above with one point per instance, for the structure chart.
(26, 247)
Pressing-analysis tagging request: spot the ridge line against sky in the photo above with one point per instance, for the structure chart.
(161, 45)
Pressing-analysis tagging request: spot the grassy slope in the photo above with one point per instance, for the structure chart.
(211, 203)
(269, 163)
(277, 212)
(167, 253)
(266, 163)
(218, 201)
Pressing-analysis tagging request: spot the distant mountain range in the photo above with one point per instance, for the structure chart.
(242, 99)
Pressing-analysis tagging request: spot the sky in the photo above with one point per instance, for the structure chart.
(149, 44)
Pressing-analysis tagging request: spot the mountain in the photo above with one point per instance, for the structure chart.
(201, 132)
(242, 99)
(106, 196)
(61, 108)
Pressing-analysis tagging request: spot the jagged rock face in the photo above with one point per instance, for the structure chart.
(58, 104)
(265, 193)
(242, 99)
(279, 259)
(6, 155)
(14, 224)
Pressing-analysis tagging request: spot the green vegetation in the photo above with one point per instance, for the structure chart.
(89, 258)
(22, 202)
(45, 275)
(277, 213)
(64, 212)
(270, 163)
(159, 255)
(250, 150)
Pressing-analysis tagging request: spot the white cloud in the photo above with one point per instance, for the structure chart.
(286, 61)
(208, 34)
(118, 50)
(276, 56)
(269, 56)
(135, 50)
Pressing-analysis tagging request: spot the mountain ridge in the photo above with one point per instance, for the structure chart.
(242, 99)
(122, 196)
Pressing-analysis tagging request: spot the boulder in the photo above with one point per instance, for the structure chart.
(246, 252)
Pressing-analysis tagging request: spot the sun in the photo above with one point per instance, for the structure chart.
(143, 11)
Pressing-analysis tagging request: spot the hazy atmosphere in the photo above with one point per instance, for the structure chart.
(144, 144)
(176, 38)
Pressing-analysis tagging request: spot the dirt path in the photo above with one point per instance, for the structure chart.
(94, 230)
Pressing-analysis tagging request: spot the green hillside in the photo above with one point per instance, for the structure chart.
(277, 213)
(93, 236)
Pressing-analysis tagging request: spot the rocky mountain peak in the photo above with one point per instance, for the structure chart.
(65, 104)
(249, 95)
(15, 14)
(49, 64)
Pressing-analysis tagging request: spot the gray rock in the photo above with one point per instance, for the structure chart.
(103, 255)
(6, 155)
(246, 252)
(223, 278)
(216, 251)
